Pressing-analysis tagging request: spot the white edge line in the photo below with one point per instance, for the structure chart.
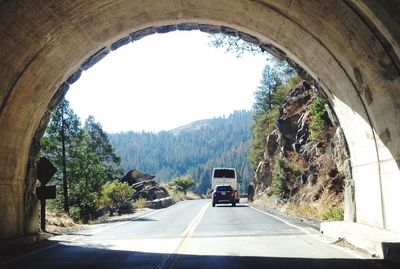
(284, 221)
(313, 235)
(107, 227)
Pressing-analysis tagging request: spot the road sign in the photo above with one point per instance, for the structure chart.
(46, 192)
(45, 170)
(43, 193)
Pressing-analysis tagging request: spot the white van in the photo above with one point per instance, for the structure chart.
(226, 176)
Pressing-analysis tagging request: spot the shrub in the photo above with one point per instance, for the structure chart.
(284, 173)
(182, 184)
(318, 119)
(75, 213)
(114, 194)
(86, 209)
(280, 177)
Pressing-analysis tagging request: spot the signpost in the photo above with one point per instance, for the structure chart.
(45, 171)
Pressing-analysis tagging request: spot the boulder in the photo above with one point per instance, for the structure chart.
(308, 149)
(262, 178)
(145, 186)
(287, 128)
(272, 145)
(303, 129)
(135, 176)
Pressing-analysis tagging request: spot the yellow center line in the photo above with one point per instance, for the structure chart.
(183, 245)
(192, 229)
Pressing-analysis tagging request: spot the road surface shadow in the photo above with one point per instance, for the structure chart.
(86, 257)
(124, 218)
(230, 206)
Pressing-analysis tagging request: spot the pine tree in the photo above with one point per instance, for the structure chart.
(62, 135)
(88, 174)
(94, 164)
(98, 142)
(84, 158)
(264, 95)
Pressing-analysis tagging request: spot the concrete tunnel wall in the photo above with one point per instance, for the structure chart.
(350, 47)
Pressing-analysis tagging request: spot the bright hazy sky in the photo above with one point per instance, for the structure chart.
(164, 81)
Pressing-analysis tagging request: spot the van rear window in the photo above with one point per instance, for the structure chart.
(223, 188)
(228, 173)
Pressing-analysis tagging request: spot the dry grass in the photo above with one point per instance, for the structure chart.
(192, 196)
(59, 222)
(327, 207)
(140, 203)
(180, 196)
(330, 206)
(177, 195)
(266, 200)
(321, 200)
(303, 210)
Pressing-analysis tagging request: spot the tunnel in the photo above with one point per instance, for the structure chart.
(350, 47)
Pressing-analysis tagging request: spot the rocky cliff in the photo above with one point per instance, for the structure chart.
(315, 168)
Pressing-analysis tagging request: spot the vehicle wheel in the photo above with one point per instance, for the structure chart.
(213, 204)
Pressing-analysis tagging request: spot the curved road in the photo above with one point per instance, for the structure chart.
(192, 234)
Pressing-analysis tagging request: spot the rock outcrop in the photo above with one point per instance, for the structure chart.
(324, 165)
(145, 186)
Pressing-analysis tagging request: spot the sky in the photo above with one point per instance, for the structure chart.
(165, 81)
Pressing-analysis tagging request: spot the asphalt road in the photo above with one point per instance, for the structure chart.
(192, 234)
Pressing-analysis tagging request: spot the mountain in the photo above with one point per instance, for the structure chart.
(193, 149)
(193, 126)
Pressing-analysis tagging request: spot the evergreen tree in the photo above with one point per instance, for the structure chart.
(98, 143)
(88, 174)
(84, 156)
(264, 96)
(283, 69)
(234, 44)
(62, 135)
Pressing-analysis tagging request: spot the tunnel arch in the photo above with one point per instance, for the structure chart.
(349, 47)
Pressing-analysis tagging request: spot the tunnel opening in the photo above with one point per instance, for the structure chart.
(210, 99)
(205, 28)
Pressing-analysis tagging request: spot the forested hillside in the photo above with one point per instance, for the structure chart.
(193, 149)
